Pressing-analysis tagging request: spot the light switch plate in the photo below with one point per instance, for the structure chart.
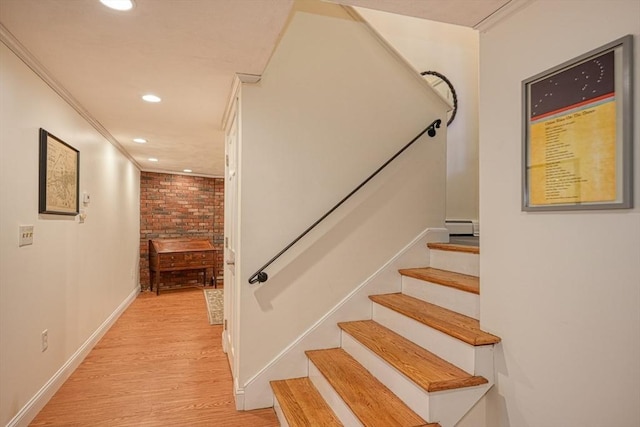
(26, 235)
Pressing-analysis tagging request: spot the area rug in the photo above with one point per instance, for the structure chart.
(215, 304)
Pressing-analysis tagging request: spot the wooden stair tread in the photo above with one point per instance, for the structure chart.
(453, 247)
(424, 368)
(449, 322)
(302, 404)
(370, 401)
(463, 282)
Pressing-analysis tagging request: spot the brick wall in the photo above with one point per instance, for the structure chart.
(179, 206)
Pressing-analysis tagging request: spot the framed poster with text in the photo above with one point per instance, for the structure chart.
(577, 132)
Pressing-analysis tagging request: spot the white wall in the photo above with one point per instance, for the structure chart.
(453, 51)
(74, 276)
(332, 106)
(562, 289)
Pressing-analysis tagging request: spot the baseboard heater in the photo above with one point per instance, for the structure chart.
(463, 227)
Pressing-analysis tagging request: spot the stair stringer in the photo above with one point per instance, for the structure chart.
(325, 333)
(450, 409)
(445, 407)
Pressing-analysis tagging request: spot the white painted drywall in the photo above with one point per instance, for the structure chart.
(74, 276)
(332, 106)
(562, 289)
(453, 51)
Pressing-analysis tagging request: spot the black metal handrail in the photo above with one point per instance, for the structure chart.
(260, 276)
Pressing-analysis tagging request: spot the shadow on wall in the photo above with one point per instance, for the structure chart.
(303, 265)
(497, 414)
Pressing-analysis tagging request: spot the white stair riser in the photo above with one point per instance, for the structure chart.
(333, 399)
(278, 409)
(453, 299)
(445, 346)
(445, 407)
(459, 262)
(411, 394)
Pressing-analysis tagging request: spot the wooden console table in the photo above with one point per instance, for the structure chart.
(179, 254)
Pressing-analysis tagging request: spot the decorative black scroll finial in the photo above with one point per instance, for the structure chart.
(452, 91)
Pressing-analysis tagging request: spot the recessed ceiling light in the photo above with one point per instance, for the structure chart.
(187, 170)
(153, 159)
(118, 4)
(140, 140)
(151, 98)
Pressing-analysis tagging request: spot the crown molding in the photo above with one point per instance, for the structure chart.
(170, 172)
(504, 12)
(30, 61)
(249, 78)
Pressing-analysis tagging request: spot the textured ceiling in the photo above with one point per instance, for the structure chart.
(185, 51)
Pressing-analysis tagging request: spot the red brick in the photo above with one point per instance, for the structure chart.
(173, 206)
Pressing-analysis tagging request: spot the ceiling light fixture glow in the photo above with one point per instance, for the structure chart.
(151, 98)
(187, 170)
(118, 4)
(153, 159)
(140, 140)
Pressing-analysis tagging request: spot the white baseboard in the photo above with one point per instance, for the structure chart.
(238, 394)
(292, 362)
(40, 399)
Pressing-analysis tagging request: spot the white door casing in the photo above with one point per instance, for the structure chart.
(230, 334)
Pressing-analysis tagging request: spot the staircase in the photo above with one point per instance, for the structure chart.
(421, 360)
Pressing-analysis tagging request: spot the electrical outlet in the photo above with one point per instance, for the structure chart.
(45, 340)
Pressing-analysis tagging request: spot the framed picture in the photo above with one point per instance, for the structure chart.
(59, 179)
(577, 132)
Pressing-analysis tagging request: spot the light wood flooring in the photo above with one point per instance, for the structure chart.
(161, 364)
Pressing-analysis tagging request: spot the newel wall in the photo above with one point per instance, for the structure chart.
(333, 104)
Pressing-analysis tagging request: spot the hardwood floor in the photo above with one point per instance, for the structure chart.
(161, 364)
